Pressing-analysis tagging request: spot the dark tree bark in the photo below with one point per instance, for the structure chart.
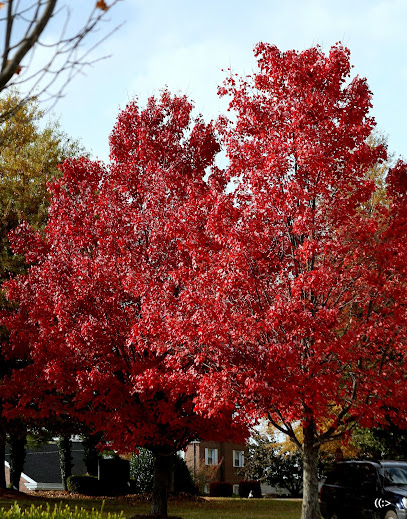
(65, 458)
(163, 464)
(2, 458)
(17, 457)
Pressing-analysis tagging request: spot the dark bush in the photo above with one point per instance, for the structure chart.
(114, 475)
(91, 452)
(220, 489)
(87, 485)
(183, 481)
(246, 486)
(133, 487)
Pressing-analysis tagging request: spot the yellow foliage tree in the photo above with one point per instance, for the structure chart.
(29, 158)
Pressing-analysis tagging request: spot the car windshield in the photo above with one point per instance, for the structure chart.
(395, 475)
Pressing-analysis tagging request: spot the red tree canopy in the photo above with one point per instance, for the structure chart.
(96, 307)
(305, 297)
(310, 284)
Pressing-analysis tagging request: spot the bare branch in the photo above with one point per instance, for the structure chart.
(341, 419)
(66, 55)
(27, 43)
(10, 20)
(284, 427)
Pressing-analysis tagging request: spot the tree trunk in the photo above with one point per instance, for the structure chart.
(65, 458)
(2, 458)
(91, 453)
(310, 502)
(17, 458)
(162, 475)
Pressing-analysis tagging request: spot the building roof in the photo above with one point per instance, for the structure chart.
(42, 464)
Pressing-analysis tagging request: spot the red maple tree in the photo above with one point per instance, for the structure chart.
(166, 305)
(96, 307)
(308, 287)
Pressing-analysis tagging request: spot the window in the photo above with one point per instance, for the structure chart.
(396, 474)
(211, 456)
(353, 475)
(238, 458)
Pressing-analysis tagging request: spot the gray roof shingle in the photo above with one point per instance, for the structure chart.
(42, 464)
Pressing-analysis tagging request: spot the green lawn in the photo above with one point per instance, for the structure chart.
(211, 508)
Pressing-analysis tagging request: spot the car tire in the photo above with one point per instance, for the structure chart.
(390, 514)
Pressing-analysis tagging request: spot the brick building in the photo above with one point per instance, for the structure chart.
(225, 458)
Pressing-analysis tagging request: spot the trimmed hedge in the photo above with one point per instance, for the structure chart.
(220, 489)
(87, 485)
(59, 512)
(245, 487)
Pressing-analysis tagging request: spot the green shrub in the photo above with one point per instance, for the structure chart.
(220, 489)
(87, 485)
(245, 487)
(142, 472)
(59, 512)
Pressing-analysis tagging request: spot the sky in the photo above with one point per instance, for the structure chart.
(186, 45)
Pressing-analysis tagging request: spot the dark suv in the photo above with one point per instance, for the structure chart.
(365, 489)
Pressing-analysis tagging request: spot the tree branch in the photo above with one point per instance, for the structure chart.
(11, 66)
(64, 57)
(287, 429)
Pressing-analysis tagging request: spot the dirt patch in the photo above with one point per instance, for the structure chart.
(61, 494)
(16, 495)
(143, 516)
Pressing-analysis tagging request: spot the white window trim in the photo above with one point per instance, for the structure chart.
(239, 459)
(214, 456)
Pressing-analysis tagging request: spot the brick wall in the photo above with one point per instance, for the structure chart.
(23, 481)
(226, 471)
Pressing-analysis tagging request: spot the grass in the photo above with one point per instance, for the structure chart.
(218, 508)
(209, 508)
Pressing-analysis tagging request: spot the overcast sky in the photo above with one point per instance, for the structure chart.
(186, 44)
